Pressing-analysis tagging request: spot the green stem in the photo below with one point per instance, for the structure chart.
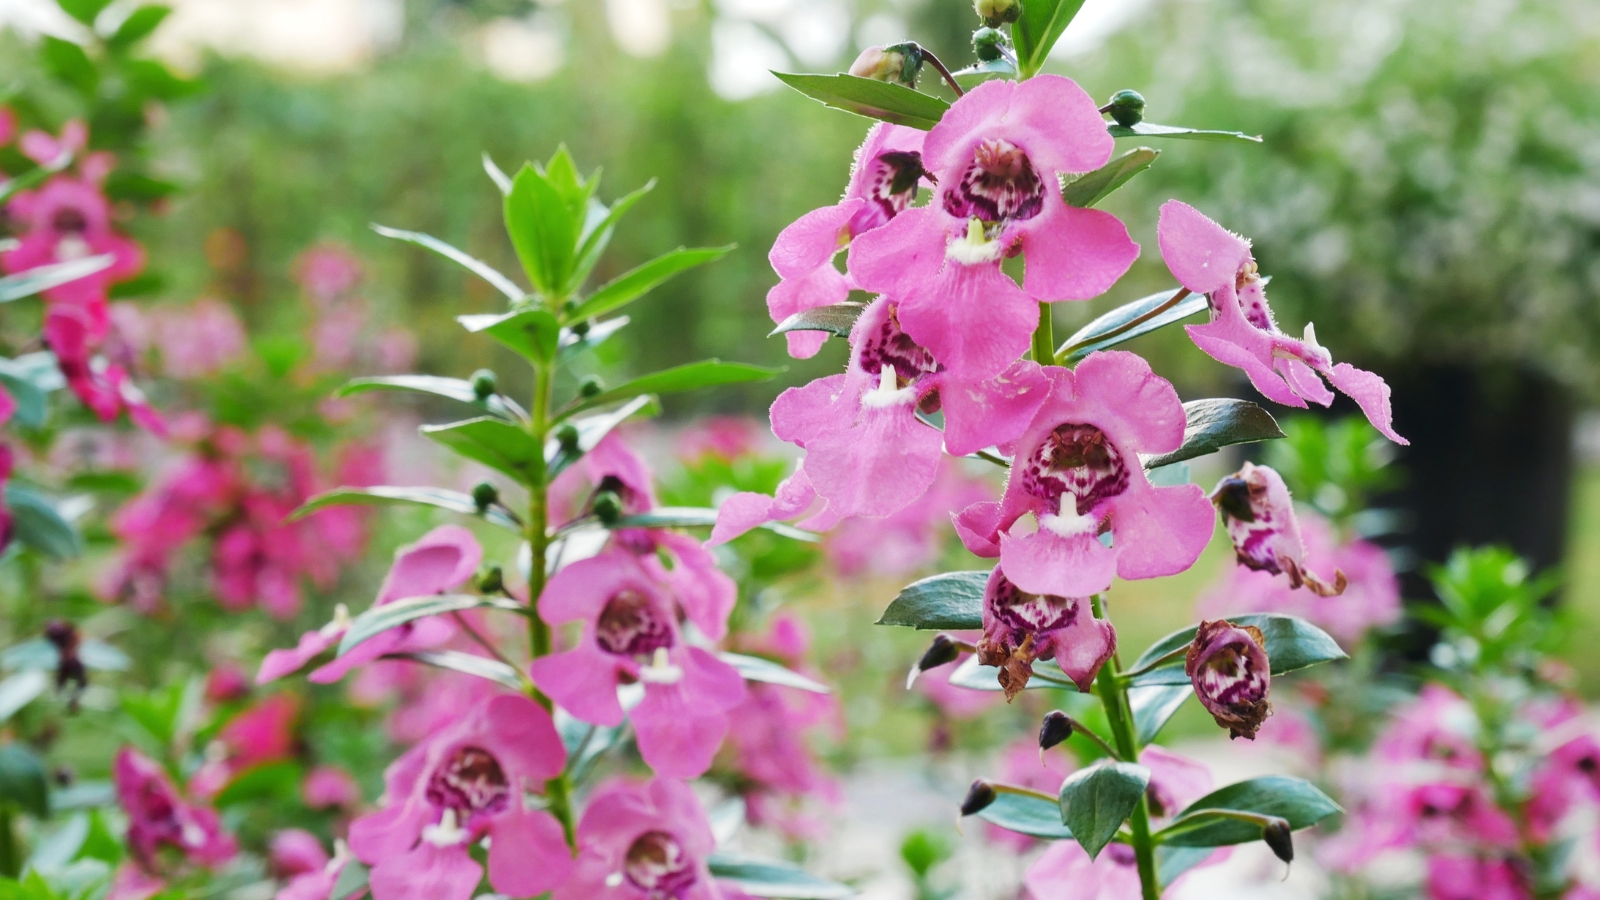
(1044, 342)
(1114, 697)
(10, 860)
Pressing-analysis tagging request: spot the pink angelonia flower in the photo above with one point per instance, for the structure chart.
(1371, 597)
(910, 539)
(883, 183)
(953, 702)
(466, 782)
(724, 438)
(440, 561)
(631, 633)
(158, 817)
(47, 150)
(68, 219)
(295, 851)
(1065, 872)
(133, 883)
(227, 682)
(1456, 876)
(644, 842)
(1438, 728)
(318, 883)
(1019, 628)
(327, 272)
(261, 734)
(1232, 677)
(1208, 259)
(1175, 781)
(8, 525)
(330, 787)
(103, 387)
(1259, 517)
(1451, 813)
(199, 340)
(428, 700)
(610, 466)
(996, 155)
(1077, 470)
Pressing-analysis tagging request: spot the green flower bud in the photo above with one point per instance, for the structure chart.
(607, 507)
(591, 386)
(484, 495)
(988, 43)
(580, 328)
(995, 13)
(483, 384)
(1126, 108)
(898, 62)
(492, 581)
(567, 435)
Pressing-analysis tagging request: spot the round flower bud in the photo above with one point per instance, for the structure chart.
(492, 581)
(1126, 108)
(607, 507)
(580, 328)
(897, 62)
(995, 13)
(591, 386)
(980, 795)
(988, 43)
(1276, 834)
(1057, 727)
(483, 495)
(483, 384)
(567, 436)
(1232, 675)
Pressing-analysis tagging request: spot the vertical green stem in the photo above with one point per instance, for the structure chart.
(10, 859)
(1044, 341)
(558, 790)
(1119, 713)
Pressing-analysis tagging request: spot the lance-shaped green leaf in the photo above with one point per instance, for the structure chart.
(1096, 801)
(477, 267)
(636, 282)
(974, 676)
(761, 877)
(18, 690)
(1129, 321)
(379, 619)
(1298, 802)
(983, 70)
(1214, 423)
(32, 405)
(1291, 644)
(496, 174)
(1087, 190)
(543, 230)
(1174, 861)
(43, 278)
(1038, 28)
(597, 233)
(532, 333)
(40, 523)
(457, 389)
(883, 100)
(688, 377)
(352, 878)
(68, 62)
(1153, 705)
(466, 663)
(754, 668)
(572, 343)
(385, 495)
(1026, 812)
(836, 319)
(496, 443)
(23, 780)
(1150, 129)
(950, 601)
(39, 653)
(700, 516)
(591, 429)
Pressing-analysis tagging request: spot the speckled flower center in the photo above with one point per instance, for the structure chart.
(890, 181)
(999, 185)
(470, 782)
(631, 625)
(887, 345)
(1078, 460)
(69, 220)
(1253, 297)
(1232, 676)
(1035, 613)
(657, 865)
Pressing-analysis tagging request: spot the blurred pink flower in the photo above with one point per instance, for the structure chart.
(327, 271)
(295, 851)
(199, 340)
(158, 817)
(1022, 765)
(330, 787)
(910, 539)
(726, 438)
(260, 734)
(643, 842)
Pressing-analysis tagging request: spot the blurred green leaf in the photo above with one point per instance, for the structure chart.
(754, 668)
(477, 267)
(157, 711)
(125, 185)
(379, 619)
(1153, 705)
(495, 443)
(457, 389)
(1297, 801)
(543, 230)
(760, 877)
(353, 877)
(1087, 190)
(137, 26)
(532, 333)
(1211, 424)
(1291, 644)
(1127, 322)
(383, 495)
(688, 377)
(274, 780)
(874, 99)
(148, 78)
(636, 282)
(947, 601)
(467, 664)
(1038, 28)
(18, 690)
(922, 850)
(43, 278)
(562, 174)
(837, 319)
(39, 523)
(1150, 129)
(1026, 812)
(85, 11)
(281, 352)
(32, 405)
(23, 780)
(1096, 801)
(67, 61)
(1174, 861)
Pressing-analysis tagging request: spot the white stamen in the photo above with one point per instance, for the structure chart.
(661, 669)
(614, 879)
(341, 855)
(888, 392)
(1311, 338)
(193, 835)
(974, 247)
(447, 833)
(1068, 523)
(340, 623)
(72, 247)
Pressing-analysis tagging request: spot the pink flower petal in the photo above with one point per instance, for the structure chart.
(583, 682)
(878, 466)
(1160, 530)
(826, 404)
(527, 853)
(1072, 253)
(984, 413)
(1213, 341)
(1049, 116)
(744, 511)
(1371, 393)
(1202, 255)
(978, 526)
(811, 241)
(426, 873)
(1047, 563)
(1138, 409)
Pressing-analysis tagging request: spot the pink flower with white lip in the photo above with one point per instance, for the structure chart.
(158, 817)
(46, 149)
(644, 842)
(996, 155)
(466, 782)
(883, 183)
(69, 219)
(1208, 259)
(631, 634)
(1019, 628)
(1077, 470)
(1259, 517)
(440, 561)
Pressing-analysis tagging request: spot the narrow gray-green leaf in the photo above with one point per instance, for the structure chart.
(477, 267)
(21, 689)
(1291, 644)
(532, 333)
(1150, 129)
(1026, 812)
(495, 443)
(1292, 799)
(636, 282)
(352, 878)
(385, 495)
(572, 343)
(1087, 190)
(32, 405)
(1096, 801)
(950, 601)
(1214, 423)
(754, 668)
(496, 174)
(379, 619)
(23, 780)
(1038, 28)
(701, 516)
(874, 99)
(1154, 704)
(466, 663)
(761, 877)
(38, 522)
(1174, 861)
(688, 377)
(982, 71)
(457, 389)
(43, 278)
(837, 319)
(591, 430)
(1127, 322)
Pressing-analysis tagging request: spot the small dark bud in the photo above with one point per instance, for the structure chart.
(567, 436)
(580, 328)
(898, 62)
(484, 495)
(988, 43)
(1232, 496)
(607, 507)
(483, 384)
(69, 668)
(1126, 108)
(995, 13)
(591, 386)
(569, 306)
(979, 796)
(1057, 727)
(492, 581)
(63, 776)
(944, 649)
(1276, 834)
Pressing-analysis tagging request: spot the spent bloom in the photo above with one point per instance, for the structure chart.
(996, 155)
(1076, 470)
(1020, 628)
(1231, 674)
(1208, 259)
(1259, 517)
